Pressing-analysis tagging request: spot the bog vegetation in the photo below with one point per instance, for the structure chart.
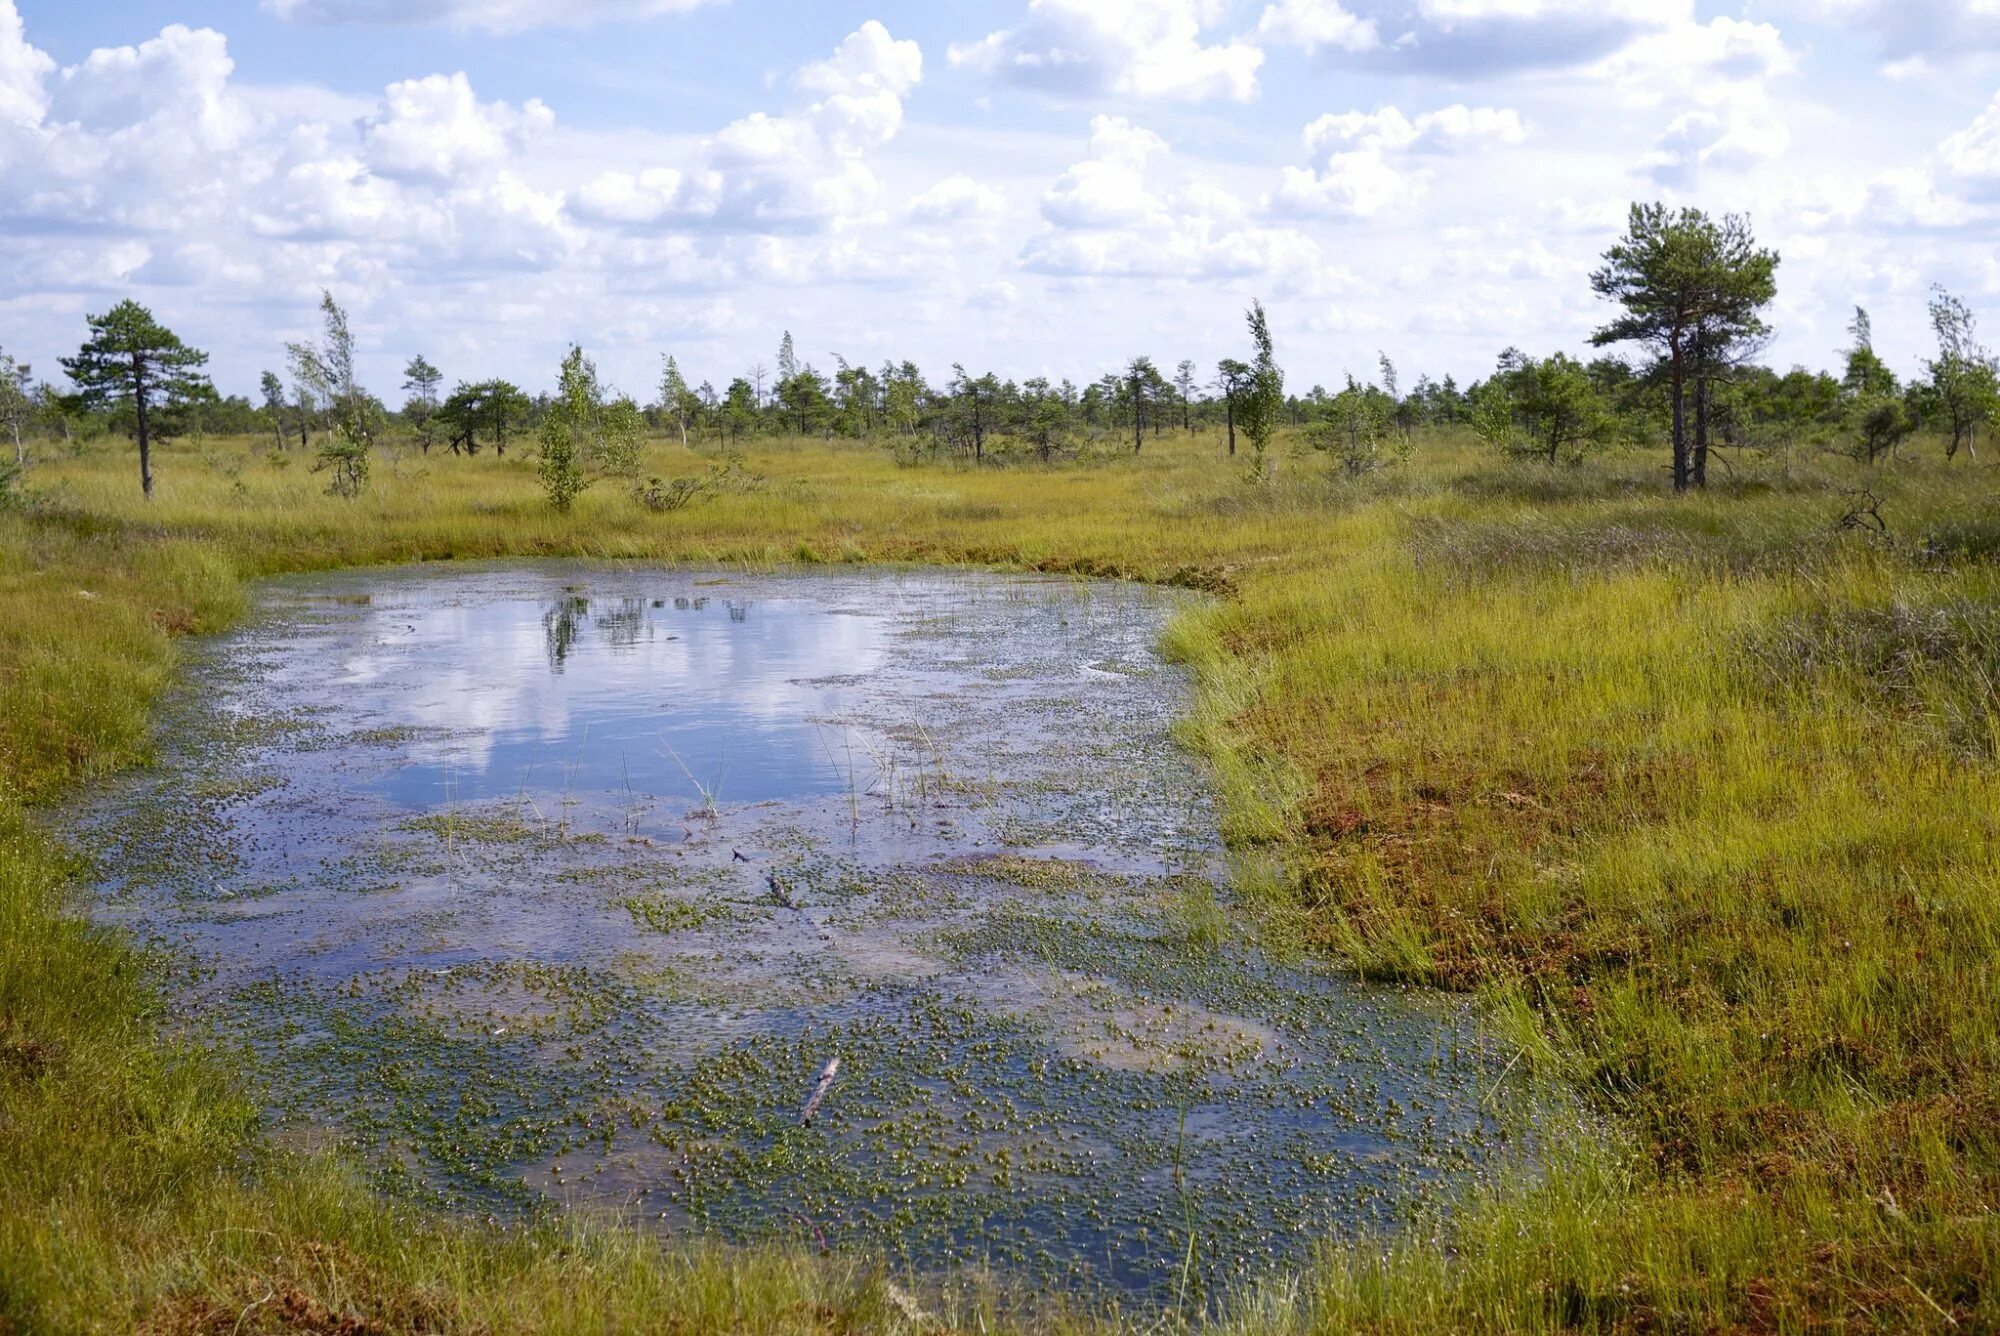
(1650, 697)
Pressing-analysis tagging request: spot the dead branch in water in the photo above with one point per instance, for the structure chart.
(819, 1092)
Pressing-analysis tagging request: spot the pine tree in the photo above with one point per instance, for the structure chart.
(133, 359)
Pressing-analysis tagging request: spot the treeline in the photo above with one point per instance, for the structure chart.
(1689, 294)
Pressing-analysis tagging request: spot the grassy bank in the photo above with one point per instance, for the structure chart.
(1701, 793)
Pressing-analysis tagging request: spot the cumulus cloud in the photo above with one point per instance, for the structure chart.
(1971, 157)
(1730, 139)
(1104, 218)
(490, 15)
(1704, 62)
(955, 199)
(1361, 159)
(1317, 25)
(1467, 38)
(779, 173)
(23, 69)
(1449, 129)
(1154, 49)
(434, 128)
(133, 136)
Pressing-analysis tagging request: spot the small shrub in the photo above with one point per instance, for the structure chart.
(344, 453)
(673, 494)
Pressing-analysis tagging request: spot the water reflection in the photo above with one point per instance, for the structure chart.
(688, 698)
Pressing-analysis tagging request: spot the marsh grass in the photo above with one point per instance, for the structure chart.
(1697, 793)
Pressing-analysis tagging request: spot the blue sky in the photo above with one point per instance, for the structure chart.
(1034, 186)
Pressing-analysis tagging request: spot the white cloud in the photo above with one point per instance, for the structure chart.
(1107, 188)
(1730, 138)
(779, 173)
(1348, 185)
(1972, 155)
(1703, 62)
(23, 99)
(1153, 49)
(1104, 218)
(868, 61)
(145, 136)
(1317, 25)
(1361, 170)
(1468, 39)
(955, 199)
(490, 15)
(177, 83)
(1449, 129)
(434, 128)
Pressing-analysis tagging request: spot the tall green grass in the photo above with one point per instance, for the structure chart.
(1698, 793)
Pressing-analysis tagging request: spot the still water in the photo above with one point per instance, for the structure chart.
(547, 886)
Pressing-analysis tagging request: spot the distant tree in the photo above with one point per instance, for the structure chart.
(134, 361)
(421, 382)
(491, 406)
(803, 394)
(739, 407)
(1548, 410)
(1867, 375)
(503, 406)
(1881, 424)
(17, 405)
(677, 402)
(1140, 375)
(1264, 400)
(275, 407)
(1692, 289)
(59, 411)
(1962, 390)
(1403, 413)
(1160, 397)
(327, 370)
(974, 398)
(1184, 385)
(1357, 428)
(1776, 414)
(856, 394)
(560, 465)
(904, 394)
(788, 358)
(758, 373)
(1449, 405)
(1048, 417)
(192, 416)
(327, 367)
(1233, 380)
(620, 435)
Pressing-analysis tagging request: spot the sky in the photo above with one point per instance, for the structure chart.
(1037, 187)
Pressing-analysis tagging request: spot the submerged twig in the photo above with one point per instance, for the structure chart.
(819, 1092)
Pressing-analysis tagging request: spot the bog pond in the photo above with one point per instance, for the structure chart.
(550, 885)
